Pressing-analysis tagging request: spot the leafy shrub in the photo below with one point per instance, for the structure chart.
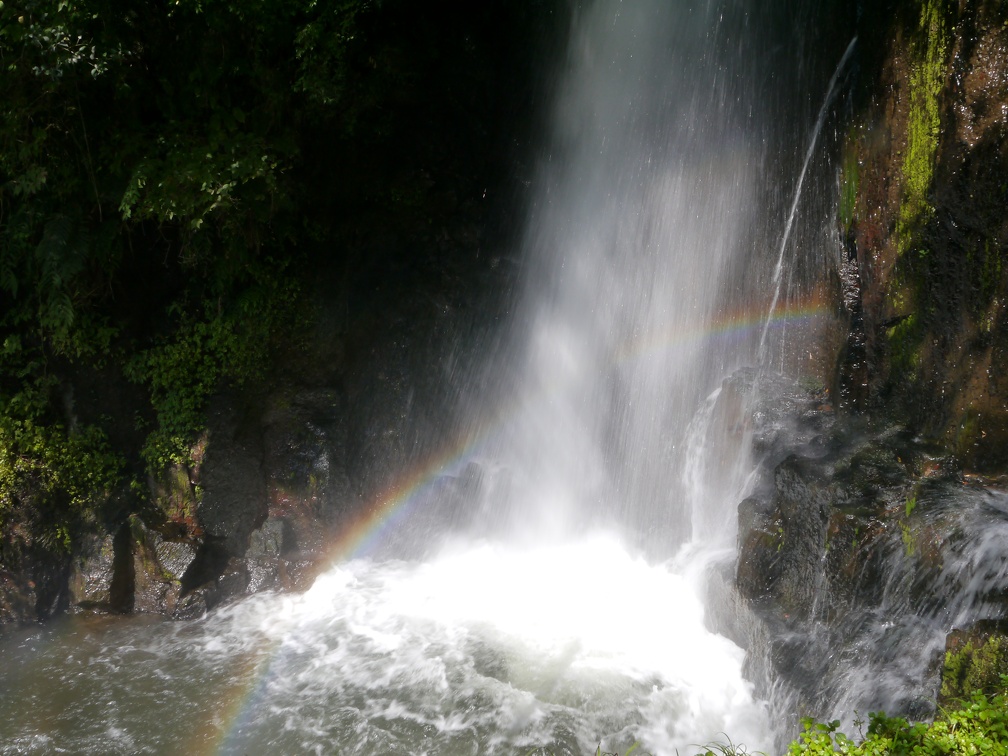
(979, 727)
(51, 480)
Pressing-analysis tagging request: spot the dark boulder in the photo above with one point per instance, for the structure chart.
(93, 574)
(234, 502)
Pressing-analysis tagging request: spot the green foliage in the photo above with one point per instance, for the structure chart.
(185, 368)
(728, 749)
(174, 175)
(51, 479)
(980, 726)
(323, 48)
(194, 182)
(163, 132)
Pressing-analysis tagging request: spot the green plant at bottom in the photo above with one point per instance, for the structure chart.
(727, 749)
(980, 727)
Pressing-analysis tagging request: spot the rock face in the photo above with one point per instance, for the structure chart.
(861, 546)
(233, 480)
(874, 534)
(93, 575)
(923, 213)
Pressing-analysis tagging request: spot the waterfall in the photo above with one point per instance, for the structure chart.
(560, 604)
(645, 201)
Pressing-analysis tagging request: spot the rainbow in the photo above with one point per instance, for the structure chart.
(394, 506)
(730, 327)
(397, 502)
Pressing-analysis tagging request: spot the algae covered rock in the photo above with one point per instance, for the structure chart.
(976, 659)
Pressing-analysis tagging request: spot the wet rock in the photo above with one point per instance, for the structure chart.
(234, 580)
(803, 506)
(93, 574)
(264, 558)
(158, 569)
(196, 603)
(305, 440)
(175, 557)
(269, 541)
(17, 599)
(757, 571)
(264, 574)
(234, 501)
(856, 549)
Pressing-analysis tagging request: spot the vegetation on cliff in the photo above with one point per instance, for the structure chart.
(178, 181)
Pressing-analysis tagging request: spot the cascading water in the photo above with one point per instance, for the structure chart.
(567, 611)
(646, 198)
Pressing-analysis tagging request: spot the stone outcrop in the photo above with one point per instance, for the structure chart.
(976, 659)
(93, 575)
(922, 210)
(285, 467)
(863, 543)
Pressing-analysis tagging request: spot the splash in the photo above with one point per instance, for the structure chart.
(566, 609)
(562, 646)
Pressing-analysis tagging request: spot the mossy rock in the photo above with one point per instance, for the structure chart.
(981, 441)
(975, 660)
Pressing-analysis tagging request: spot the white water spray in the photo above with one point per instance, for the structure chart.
(575, 616)
(644, 205)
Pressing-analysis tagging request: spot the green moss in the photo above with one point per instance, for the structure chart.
(905, 342)
(975, 667)
(849, 184)
(924, 120)
(175, 496)
(812, 384)
(909, 545)
(967, 434)
(911, 504)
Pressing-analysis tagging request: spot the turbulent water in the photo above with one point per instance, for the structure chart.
(569, 611)
(483, 650)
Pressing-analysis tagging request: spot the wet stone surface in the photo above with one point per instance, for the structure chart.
(860, 545)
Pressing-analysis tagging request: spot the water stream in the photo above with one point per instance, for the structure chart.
(567, 608)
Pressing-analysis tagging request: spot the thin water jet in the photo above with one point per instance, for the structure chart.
(813, 139)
